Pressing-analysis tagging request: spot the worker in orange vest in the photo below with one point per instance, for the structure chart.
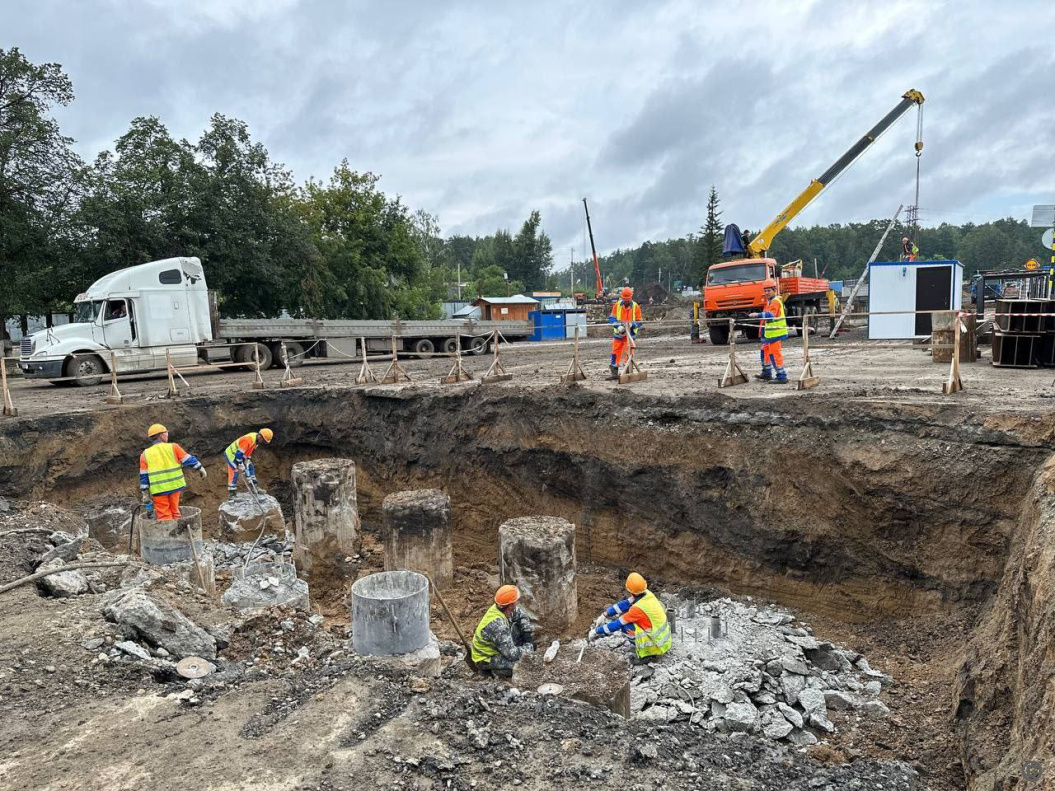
(624, 312)
(774, 329)
(161, 474)
(238, 456)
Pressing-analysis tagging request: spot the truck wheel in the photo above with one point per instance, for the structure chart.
(450, 346)
(295, 352)
(423, 346)
(244, 354)
(88, 369)
(719, 334)
(479, 345)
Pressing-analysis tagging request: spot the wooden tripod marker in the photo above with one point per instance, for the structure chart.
(575, 372)
(807, 379)
(9, 407)
(733, 374)
(365, 374)
(457, 373)
(173, 390)
(631, 371)
(114, 396)
(954, 384)
(395, 372)
(259, 383)
(288, 380)
(496, 373)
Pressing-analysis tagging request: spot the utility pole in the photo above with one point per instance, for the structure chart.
(459, 280)
(571, 268)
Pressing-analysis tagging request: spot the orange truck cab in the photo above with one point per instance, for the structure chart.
(733, 290)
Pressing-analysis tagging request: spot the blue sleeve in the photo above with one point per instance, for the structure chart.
(239, 456)
(612, 319)
(191, 461)
(144, 481)
(767, 315)
(612, 627)
(619, 608)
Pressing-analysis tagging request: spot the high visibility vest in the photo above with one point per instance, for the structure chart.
(777, 328)
(657, 640)
(232, 449)
(164, 472)
(484, 651)
(624, 313)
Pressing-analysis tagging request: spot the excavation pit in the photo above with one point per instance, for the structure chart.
(390, 613)
(602, 678)
(537, 554)
(263, 585)
(417, 534)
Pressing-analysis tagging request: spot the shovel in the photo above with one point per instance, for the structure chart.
(450, 617)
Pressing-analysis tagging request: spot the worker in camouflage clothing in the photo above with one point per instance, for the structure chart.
(504, 634)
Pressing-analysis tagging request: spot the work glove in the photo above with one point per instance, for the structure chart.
(202, 472)
(599, 621)
(619, 331)
(240, 466)
(591, 636)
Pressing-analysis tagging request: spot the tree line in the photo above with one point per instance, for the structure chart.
(334, 248)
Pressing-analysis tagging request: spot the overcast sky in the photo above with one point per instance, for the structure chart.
(481, 111)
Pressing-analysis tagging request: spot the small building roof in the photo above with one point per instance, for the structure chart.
(519, 299)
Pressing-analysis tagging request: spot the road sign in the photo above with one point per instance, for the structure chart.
(1047, 238)
(1043, 216)
(1032, 264)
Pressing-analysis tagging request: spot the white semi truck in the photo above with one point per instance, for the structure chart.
(143, 316)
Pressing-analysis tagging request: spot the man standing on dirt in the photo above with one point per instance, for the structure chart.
(641, 616)
(238, 455)
(504, 634)
(161, 474)
(624, 312)
(774, 329)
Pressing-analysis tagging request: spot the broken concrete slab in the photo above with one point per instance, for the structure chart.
(64, 584)
(242, 516)
(111, 527)
(160, 624)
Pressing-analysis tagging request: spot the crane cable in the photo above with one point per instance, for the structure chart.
(919, 154)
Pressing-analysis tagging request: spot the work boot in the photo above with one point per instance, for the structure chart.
(231, 493)
(778, 381)
(613, 371)
(763, 378)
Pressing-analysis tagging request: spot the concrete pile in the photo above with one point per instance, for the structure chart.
(736, 668)
(243, 516)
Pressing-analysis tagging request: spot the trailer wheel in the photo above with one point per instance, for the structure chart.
(88, 369)
(450, 346)
(295, 352)
(244, 354)
(479, 344)
(423, 346)
(719, 334)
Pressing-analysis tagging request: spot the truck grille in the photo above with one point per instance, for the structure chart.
(27, 347)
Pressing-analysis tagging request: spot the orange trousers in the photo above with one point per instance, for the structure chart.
(620, 350)
(166, 506)
(773, 354)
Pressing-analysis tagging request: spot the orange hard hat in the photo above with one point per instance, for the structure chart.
(506, 595)
(770, 283)
(627, 293)
(266, 434)
(155, 429)
(635, 583)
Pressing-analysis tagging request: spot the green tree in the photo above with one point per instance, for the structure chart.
(39, 185)
(532, 254)
(491, 282)
(711, 234)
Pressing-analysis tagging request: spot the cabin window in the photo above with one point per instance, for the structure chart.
(170, 277)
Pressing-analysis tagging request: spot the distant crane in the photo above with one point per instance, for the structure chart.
(596, 265)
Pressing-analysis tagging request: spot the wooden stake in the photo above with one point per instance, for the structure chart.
(365, 376)
(954, 384)
(631, 371)
(173, 391)
(575, 371)
(288, 380)
(733, 374)
(395, 372)
(9, 407)
(807, 379)
(115, 395)
(259, 383)
(457, 373)
(197, 563)
(496, 373)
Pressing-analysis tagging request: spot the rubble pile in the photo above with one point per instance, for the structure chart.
(233, 555)
(738, 669)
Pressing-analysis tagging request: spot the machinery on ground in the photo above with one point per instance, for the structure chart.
(733, 289)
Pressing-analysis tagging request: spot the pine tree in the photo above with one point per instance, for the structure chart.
(711, 234)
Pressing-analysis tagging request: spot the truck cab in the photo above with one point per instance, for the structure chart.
(137, 317)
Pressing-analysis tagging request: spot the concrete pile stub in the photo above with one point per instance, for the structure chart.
(537, 554)
(241, 517)
(417, 534)
(390, 621)
(111, 527)
(602, 678)
(325, 511)
(167, 543)
(263, 585)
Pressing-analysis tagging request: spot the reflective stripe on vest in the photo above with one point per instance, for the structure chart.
(484, 651)
(624, 313)
(778, 327)
(232, 449)
(657, 640)
(164, 472)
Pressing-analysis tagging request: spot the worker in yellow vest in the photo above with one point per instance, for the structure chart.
(772, 333)
(641, 616)
(161, 474)
(625, 313)
(504, 634)
(238, 456)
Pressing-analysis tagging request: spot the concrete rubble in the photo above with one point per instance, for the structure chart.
(762, 675)
(241, 517)
(264, 584)
(233, 555)
(159, 624)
